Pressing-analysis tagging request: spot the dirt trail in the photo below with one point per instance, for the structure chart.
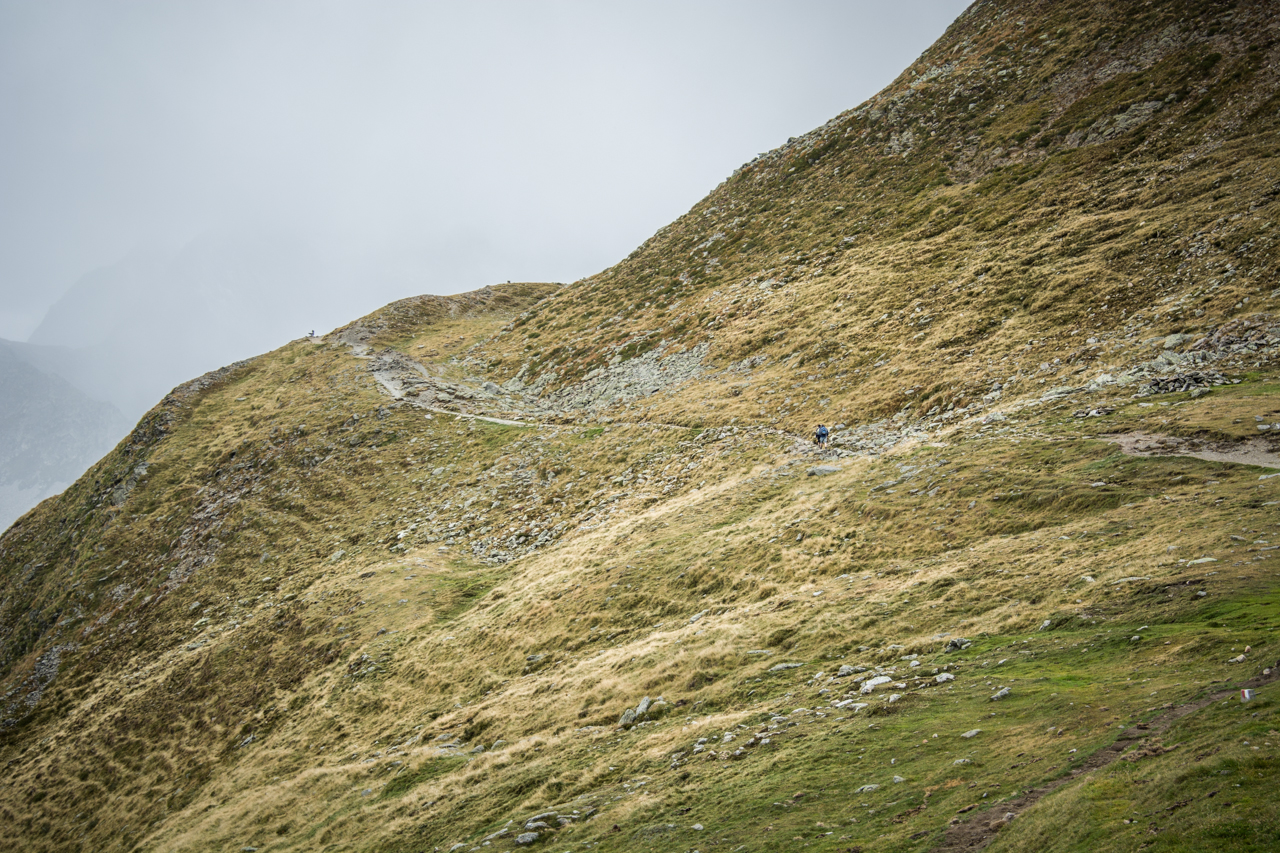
(466, 416)
(397, 372)
(981, 829)
(1250, 451)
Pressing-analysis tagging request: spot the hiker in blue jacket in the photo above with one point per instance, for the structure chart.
(821, 438)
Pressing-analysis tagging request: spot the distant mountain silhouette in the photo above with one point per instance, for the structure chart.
(50, 431)
(126, 334)
(140, 327)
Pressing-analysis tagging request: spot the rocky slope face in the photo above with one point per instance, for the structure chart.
(557, 567)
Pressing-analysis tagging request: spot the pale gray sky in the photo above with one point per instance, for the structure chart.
(433, 147)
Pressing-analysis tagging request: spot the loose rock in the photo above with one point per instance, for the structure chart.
(872, 683)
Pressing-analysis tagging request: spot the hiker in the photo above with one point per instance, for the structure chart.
(821, 437)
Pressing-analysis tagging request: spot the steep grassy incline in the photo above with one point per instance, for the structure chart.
(279, 636)
(554, 567)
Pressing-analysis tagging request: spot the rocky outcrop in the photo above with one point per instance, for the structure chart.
(622, 381)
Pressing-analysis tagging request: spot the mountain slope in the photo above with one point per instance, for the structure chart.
(558, 566)
(1045, 192)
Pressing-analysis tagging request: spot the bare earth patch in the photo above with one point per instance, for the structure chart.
(1252, 451)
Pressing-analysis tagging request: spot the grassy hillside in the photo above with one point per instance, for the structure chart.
(558, 567)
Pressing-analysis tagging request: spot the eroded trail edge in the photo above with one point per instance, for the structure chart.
(1255, 451)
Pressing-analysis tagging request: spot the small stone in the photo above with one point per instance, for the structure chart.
(778, 667)
(867, 789)
(1000, 694)
(944, 677)
(526, 838)
(898, 780)
(697, 826)
(972, 733)
(962, 761)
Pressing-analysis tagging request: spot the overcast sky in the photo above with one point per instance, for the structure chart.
(442, 145)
